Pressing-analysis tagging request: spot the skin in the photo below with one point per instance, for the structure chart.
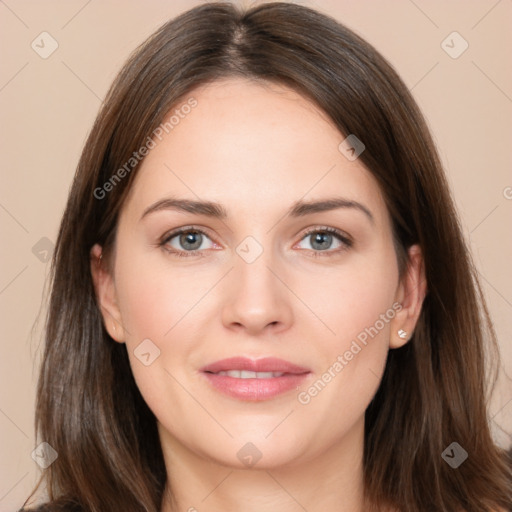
(257, 149)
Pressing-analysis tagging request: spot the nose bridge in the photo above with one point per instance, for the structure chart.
(255, 256)
(258, 298)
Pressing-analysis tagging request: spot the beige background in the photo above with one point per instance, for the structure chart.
(48, 106)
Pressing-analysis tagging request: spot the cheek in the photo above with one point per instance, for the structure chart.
(351, 299)
(153, 296)
(164, 302)
(156, 303)
(357, 306)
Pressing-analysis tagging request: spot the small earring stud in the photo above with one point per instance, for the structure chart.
(402, 334)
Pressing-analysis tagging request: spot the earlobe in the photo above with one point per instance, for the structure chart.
(104, 287)
(410, 294)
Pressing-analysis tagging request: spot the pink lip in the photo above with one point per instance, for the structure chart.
(255, 389)
(267, 364)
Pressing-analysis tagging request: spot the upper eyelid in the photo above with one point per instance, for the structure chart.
(185, 229)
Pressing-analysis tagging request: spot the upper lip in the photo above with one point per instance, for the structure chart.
(266, 364)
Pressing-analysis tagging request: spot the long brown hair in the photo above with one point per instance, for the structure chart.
(433, 391)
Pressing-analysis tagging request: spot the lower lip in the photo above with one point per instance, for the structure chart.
(255, 389)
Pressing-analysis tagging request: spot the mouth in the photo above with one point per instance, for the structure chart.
(244, 374)
(254, 380)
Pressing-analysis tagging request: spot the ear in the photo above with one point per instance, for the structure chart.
(410, 294)
(105, 289)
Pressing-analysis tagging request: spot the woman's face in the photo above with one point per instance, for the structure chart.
(315, 287)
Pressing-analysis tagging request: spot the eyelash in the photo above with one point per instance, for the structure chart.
(347, 242)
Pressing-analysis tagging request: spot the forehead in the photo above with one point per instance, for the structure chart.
(257, 146)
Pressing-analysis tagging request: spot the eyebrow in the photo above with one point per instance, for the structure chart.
(216, 210)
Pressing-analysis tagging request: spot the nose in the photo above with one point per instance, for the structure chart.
(257, 298)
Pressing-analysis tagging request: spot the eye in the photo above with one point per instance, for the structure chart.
(321, 240)
(190, 241)
(185, 242)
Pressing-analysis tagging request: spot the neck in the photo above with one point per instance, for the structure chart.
(331, 481)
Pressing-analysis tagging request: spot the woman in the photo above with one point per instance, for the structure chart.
(198, 355)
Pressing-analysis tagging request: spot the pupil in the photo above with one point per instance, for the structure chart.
(187, 240)
(320, 238)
